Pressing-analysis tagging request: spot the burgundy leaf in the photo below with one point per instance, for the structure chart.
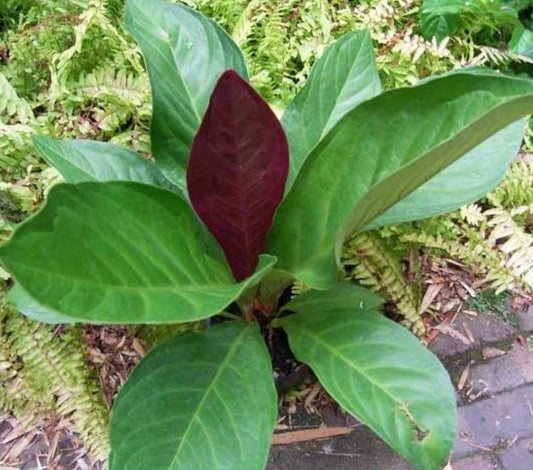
(237, 170)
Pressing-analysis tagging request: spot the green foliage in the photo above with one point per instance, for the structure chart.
(71, 71)
(480, 18)
(491, 238)
(43, 372)
(340, 346)
(377, 263)
(149, 260)
(201, 406)
(489, 301)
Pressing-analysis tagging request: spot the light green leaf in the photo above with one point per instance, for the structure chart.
(522, 42)
(463, 182)
(198, 402)
(122, 252)
(185, 54)
(378, 154)
(343, 295)
(23, 302)
(383, 376)
(343, 77)
(87, 160)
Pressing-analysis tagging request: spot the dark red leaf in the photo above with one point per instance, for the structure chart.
(237, 170)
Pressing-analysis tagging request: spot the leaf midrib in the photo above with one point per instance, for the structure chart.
(343, 358)
(207, 392)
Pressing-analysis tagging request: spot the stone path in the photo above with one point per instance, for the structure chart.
(495, 406)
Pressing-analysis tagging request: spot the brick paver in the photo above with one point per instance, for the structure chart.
(485, 328)
(477, 462)
(519, 456)
(506, 372)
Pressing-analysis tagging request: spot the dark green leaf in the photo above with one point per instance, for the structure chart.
(122, 252)
(441, 18)
(378, 154)
(185, 54)
(343, 77)
(198, 401)
(87, 160)
(383, 376)
(343, 295)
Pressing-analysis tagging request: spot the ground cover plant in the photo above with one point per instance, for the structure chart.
(416, 432)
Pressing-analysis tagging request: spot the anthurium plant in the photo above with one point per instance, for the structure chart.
(233, 208)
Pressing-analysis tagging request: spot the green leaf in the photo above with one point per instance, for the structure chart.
(343, 295)
(122, 252)
(441, 18)
(522, 42)
(198, 401)
(86, 160)
(383, 376)
(343, 77)
(185, 54)
(378, 154)
(26, 305)
(463, 182)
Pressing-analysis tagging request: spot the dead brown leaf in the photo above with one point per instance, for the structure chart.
(309, 435)
(490, 353)
(469, 333)
(430, 294)
(463, 378)
(449, 331)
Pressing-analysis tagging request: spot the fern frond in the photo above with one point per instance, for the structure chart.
(372, 262)
(513, 242)
(12, 107)
(516, 189)
(498, 57)
(55, 373)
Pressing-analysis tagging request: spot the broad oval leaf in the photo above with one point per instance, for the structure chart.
(342, 78)
(378, 154)
(237, 171)
(463, 182)
(198, 401)
(87, 160)
(382, 375)
(343, 295)
(185, 54)
(122, 252)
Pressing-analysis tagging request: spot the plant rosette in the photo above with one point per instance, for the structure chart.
(235, 207)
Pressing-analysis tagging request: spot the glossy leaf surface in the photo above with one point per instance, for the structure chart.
(237, 171)
(198, 402)
(463, 182)
(380, 373)
(378, 154)
(343, 295)
(185, 54)
(343, 77)
(121, 252)
(87, 160)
